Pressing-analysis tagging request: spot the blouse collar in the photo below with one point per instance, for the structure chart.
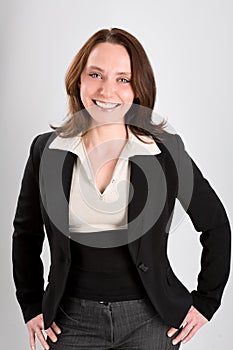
(133, 146)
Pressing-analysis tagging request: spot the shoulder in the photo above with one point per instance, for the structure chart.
(38, 145)
(171, 143)
(41, 141)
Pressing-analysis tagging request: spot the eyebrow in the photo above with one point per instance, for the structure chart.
(101, 70)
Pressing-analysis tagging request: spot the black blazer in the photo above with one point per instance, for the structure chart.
(157, 180)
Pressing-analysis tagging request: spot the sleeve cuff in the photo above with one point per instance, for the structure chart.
(204, 305)
(30, 311)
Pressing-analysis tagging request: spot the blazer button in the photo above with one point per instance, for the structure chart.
(143, 267)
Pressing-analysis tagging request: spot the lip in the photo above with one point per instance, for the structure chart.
(102, 109)
(94, 100)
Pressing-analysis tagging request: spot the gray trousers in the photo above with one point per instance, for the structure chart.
(87, 324)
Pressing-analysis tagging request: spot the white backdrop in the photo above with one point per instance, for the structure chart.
(190, 47)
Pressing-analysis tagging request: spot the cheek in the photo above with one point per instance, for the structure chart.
(128, 95)
(86, 91)
(87, 87)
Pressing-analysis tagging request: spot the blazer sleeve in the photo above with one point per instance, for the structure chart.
(208, 217)
(27, 243)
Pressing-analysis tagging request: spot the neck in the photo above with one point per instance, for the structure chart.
(100, 134)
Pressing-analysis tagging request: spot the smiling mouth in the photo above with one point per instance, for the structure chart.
(106, 105)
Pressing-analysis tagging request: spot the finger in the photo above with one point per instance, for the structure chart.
(171, 332)
(56, 328)
(185, 331)
(42, 340)
(51, 334)
(190, 335)
(32, 340)
(184, 323)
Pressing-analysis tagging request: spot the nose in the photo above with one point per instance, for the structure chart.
(108, 88)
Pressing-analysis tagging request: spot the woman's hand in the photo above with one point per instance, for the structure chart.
(36, 326)
(191, 323)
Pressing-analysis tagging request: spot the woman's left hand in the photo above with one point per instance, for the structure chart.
(192, 322)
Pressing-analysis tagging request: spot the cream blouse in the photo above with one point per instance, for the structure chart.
(89, 209)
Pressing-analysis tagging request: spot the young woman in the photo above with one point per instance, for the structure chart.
(104, 186)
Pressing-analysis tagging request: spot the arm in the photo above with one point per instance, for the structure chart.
(208, 217)
(28, 240)
(27, 244)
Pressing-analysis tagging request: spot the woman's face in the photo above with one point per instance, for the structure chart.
(106, 90)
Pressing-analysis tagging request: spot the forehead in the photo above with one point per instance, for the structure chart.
(108, 54)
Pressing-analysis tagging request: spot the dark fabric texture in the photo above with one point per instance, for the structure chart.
(157, 180)
(107, 273)
(122, 325)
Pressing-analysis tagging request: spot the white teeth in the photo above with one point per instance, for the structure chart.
(106, 105)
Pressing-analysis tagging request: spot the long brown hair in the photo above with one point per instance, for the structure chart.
(139, 116)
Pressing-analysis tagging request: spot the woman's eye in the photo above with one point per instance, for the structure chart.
(124, 80)
(94, 75)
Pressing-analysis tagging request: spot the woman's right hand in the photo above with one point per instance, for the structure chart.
(36, 326)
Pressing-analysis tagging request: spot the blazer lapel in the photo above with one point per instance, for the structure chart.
(136, 202)
(147, 198)
(56, 168)
(67, 172)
